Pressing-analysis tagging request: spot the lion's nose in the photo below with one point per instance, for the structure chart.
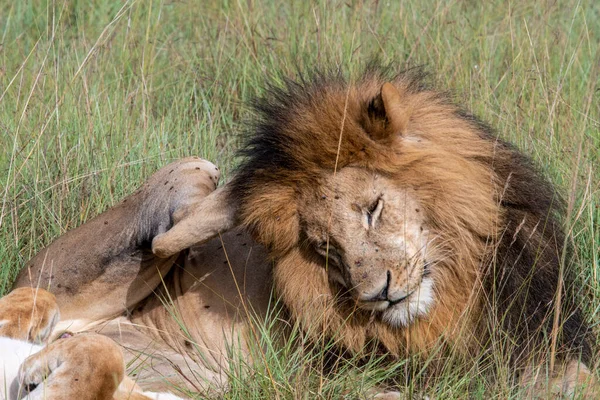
(385, 294)
(382, 295)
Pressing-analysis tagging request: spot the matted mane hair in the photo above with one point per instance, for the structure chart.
(504, 211)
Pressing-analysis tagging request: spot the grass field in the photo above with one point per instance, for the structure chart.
(95, 96)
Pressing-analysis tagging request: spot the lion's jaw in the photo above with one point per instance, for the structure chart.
(374, 240)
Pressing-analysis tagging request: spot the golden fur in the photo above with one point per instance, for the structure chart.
(29, 315)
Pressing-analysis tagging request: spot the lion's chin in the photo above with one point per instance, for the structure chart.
(417, 304)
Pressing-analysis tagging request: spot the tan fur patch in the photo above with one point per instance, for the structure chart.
(28, 314)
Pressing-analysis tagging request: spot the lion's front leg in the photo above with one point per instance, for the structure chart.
(106, 266)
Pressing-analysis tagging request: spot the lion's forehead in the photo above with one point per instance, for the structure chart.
(352, 189)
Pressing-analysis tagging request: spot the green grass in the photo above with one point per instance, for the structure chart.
(94, 98)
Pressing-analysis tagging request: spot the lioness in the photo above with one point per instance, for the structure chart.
(377, 208)
(86, 366)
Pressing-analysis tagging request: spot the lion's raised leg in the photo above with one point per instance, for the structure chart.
(104, 267)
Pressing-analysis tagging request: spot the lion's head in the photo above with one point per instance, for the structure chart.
(378, 184)
(386, 206)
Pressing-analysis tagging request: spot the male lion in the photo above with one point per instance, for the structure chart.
(382, 212)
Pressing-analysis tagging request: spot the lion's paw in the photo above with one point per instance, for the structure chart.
(74, 368)
(182, 184)
(196, 214)
(28, 314)
(36, 369)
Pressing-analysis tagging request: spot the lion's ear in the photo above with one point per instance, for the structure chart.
(387, 107)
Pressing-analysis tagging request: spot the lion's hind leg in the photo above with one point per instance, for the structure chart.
(105, 267)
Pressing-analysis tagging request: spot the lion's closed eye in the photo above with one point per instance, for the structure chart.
(373, 212)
